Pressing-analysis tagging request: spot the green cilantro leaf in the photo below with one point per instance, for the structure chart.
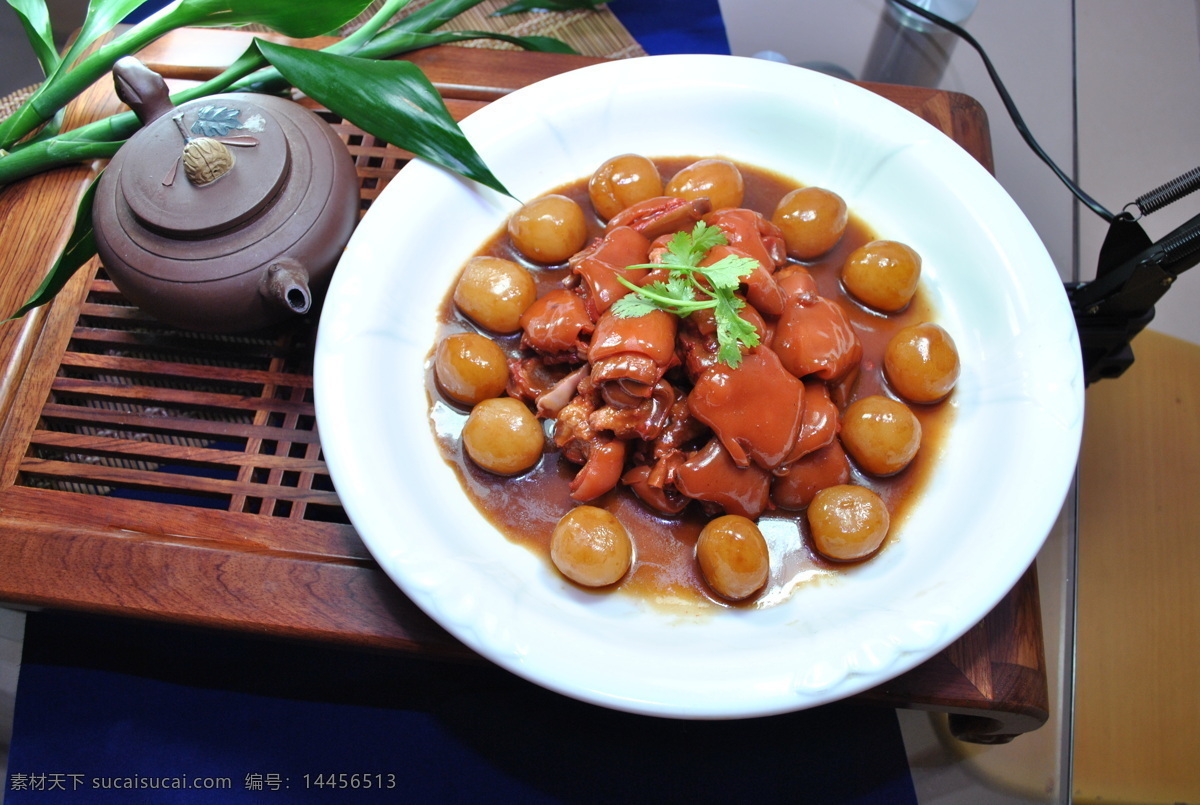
(681, 252)
(684, 293)
(728, 272)
(732, 330)
(680, 287)
(704, 237)
(633, 305)
(689, 249)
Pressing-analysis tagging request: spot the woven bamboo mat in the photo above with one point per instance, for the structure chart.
(592, 33)
(10, 102)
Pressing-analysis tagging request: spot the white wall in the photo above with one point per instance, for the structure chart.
(1138, 104)
(1139, 109)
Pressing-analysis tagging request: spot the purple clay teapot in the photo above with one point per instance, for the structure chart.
(224, 214)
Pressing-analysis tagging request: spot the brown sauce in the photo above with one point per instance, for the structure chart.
(527, 507)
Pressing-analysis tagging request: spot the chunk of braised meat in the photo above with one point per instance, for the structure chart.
(697, 351)
(626, 380)
(710, 475)
(697, 343)
(662, 471)
(841, 391)
(754, 409)
(553, 400)
(573, 433)
(753, 234)
(814, 337)
(646, 421)
(820, 424)
(556, 326)
(630, 355)
(820, 469)
(658, 253)
(762, 292)
(659, 248)
(598, 266)
(796, 280)
(662, 497)
(661, 215)
(602, 456)
(602, 472)
(530, 378)
(682, 429)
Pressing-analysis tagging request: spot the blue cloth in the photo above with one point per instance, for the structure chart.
(104, 703)
(674, 26)
(143, 11)
(659, 26)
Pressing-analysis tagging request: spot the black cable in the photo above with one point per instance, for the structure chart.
(1009, 105)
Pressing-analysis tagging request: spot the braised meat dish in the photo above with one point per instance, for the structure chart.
(692, 379)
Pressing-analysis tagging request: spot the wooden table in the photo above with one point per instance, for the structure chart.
(152, 473)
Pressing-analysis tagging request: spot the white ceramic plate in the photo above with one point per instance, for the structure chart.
(989, 505)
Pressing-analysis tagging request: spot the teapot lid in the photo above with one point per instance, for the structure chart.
(168, 180)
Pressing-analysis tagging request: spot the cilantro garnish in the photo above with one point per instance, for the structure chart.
(683, 292)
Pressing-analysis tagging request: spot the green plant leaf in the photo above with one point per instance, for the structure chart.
(547, 5)
(404, 42)
(392, 100)
(101, 16)
(299, 20)
(544, 44)
(35, 19)
(81, 247)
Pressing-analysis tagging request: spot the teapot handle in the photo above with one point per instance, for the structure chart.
(142, 89)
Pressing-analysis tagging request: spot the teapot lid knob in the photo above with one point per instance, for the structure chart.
(205, 160)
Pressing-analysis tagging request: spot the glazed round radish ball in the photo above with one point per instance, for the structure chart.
(548, 229)
(470, 368)
(503, 436)
(847, 522)
(591, 547)
(733, 556)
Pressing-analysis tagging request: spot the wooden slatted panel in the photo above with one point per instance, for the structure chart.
(139, 409)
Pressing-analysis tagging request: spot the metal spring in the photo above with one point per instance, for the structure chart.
(1169, 193)
(1180, 246)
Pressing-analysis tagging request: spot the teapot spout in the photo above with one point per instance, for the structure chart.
(286, 283)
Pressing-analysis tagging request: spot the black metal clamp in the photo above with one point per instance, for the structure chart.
(1133, 273)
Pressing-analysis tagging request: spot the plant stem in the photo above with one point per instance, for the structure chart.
(372, 26)
(432, 16)
(53, 153)
(680, 307)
